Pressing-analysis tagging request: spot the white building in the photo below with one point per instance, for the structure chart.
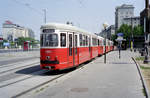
(134, 21)
(12, 31)
(123, 11)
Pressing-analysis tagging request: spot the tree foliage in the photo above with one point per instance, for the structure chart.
(21, 40)
(127, 31)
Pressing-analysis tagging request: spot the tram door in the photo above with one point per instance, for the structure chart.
(90, 47)
(72, 49)
(75, 53)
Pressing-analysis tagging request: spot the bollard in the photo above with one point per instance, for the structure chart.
(146, 60)
(142, 54)
(134, 50)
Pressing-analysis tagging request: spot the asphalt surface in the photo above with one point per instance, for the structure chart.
(20, 72)
(15, 50)
(119, 78)
(17, 64)
(15, 60)
(14, 57)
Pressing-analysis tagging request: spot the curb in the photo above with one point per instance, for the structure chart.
(147, 94)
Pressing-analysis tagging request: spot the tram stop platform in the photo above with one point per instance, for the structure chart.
(118, 78)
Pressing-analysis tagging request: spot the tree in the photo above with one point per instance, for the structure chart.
(127, 31)
(21, 40)
(114, 37)
(138, 31)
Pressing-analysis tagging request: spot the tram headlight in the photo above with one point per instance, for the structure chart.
(47, 57)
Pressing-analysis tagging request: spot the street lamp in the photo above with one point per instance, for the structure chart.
(146, 59)
(132, 39)
(105, 25)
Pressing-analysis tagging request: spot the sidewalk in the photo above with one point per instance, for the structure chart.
(119, 78)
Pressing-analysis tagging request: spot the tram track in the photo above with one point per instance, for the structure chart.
(34, 74)
(17, 62)
(46, 82)
(16, 68)
(42, 84)
(42, 75)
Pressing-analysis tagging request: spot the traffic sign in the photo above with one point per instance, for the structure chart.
(120, 34)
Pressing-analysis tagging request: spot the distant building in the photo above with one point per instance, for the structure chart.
(134, 21)
(123, 11)
(28, 33)
(110, 31)
(11, 31)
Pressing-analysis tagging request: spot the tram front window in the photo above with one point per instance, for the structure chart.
(49, 40)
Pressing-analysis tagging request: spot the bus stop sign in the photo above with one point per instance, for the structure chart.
(120, 34)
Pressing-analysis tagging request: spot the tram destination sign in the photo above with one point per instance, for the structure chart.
(48, 30)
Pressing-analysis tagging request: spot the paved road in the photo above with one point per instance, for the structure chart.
(14, 57)
(118, 78)
(16, 50)
(15, 60)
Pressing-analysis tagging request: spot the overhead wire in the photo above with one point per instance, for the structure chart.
(28, 6)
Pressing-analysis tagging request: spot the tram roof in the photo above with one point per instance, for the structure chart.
(65, 27)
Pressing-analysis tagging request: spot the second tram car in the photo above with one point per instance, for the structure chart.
(64, 46)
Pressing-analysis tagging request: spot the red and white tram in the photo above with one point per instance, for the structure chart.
(64, 46)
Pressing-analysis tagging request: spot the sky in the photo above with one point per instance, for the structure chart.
(86, 14)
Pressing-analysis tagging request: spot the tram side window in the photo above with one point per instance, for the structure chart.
(86, 41)
(63, 40)
(108, 43)
(100, 42)
(80, 39)
(83, 40)
(94, 41)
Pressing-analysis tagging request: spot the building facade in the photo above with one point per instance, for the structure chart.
(133, 21)
(11, 31)
(110, 31)
(123, 11)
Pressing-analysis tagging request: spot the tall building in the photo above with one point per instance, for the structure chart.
(123, 11)
(11, 31)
